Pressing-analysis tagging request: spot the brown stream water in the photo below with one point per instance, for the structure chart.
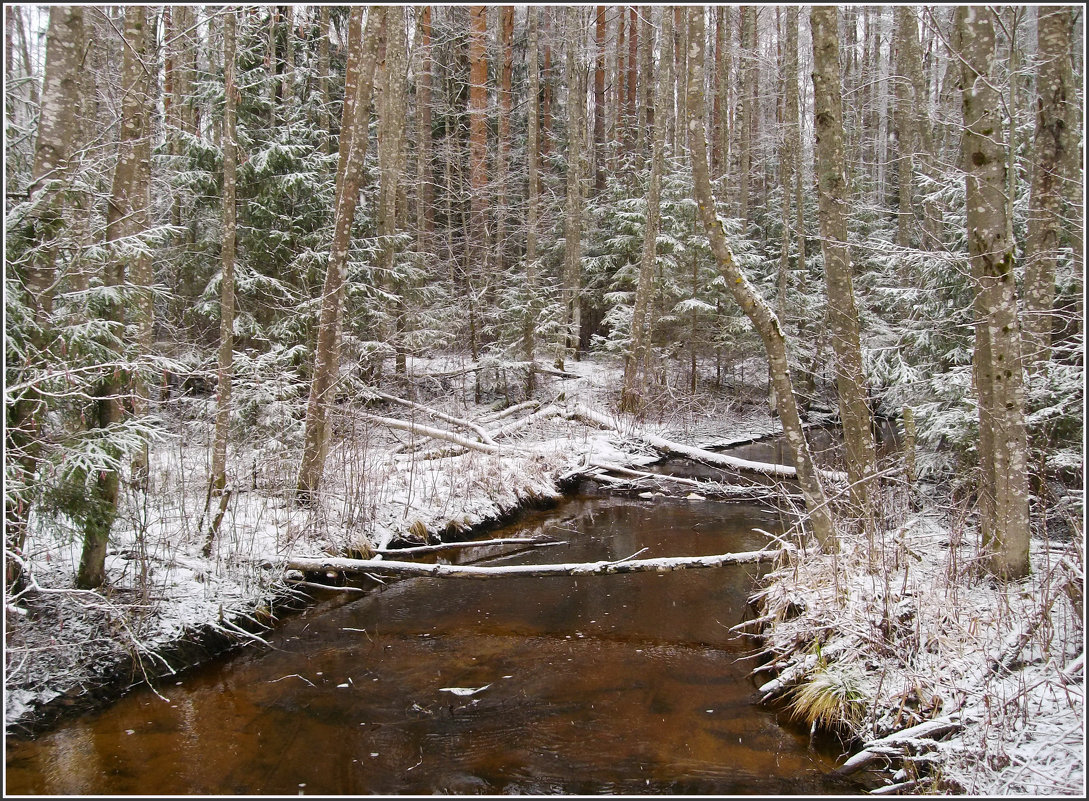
(611, 684)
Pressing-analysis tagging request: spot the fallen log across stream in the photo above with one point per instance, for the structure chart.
(411, 569)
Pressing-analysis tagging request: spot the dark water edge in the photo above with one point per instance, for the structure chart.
(620, 685)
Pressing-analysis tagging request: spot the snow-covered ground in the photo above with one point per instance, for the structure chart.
(915, 634)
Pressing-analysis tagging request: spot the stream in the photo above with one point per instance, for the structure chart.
(615, 684)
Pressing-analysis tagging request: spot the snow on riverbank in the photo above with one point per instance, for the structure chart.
(379, 485)
(919, 634)
(926, 634)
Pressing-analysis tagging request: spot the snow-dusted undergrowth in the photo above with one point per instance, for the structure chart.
(915, 630)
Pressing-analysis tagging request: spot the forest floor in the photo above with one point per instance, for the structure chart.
(915, 635)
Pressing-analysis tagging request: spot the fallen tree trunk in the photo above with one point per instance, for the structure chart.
(690, 452)
(663, 444)
(754, 492)
(450, 546)
(428, 431)
(409, 569)
(484, 436)
(921, 734)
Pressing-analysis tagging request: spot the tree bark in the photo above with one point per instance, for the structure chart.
(478, 168)
(125, 213)
(631, 395)
(998, 372)
(754, 306)
(1050, 143)
(391, 127)
(57, 131)
(572, 262)
(529, 315)
(363, 52)
(842, 314)
(599, 101)
(503, 140)
(227, 256)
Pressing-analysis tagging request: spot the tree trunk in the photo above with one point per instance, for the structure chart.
(475, 268)
(323, 77)
(748, 92)
(503, 140)
(391, 127)
(362, 57)
(842, 314)
(1051, 141)
(125, 212)
(633, 77)
(57, 131)
(572, 262)
(599, 101)
(998, 373)
(631, 399)
(646, 86)
(621, 83)
(532, 155)
(754, 306)
(227, 254)
(420, 569)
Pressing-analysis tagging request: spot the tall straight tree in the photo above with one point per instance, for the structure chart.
(359, 82)
(125, 216)
(218, 484)
(529, 345)
(391, 127)
(227, 254)
(1003, 447)
(424, 194)
(572, 259)
(833, 198)
(58, 128)
(1054, 89)
(755, 307)
(478, 167)
(599, 100)
(503, 138)
(631, 396)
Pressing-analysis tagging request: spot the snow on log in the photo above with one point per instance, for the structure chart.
(661, 443)
(484, 436)
(428, 431)
(924, 732)
(493, 417)
(409, 569)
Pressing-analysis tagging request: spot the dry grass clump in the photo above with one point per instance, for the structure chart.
(913, 632)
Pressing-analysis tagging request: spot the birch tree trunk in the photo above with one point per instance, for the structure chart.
(362, 56)
(1050, 142)
(631, 396)
(227, 254)
(756, 308)
(1004, 508)
(842, 314)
